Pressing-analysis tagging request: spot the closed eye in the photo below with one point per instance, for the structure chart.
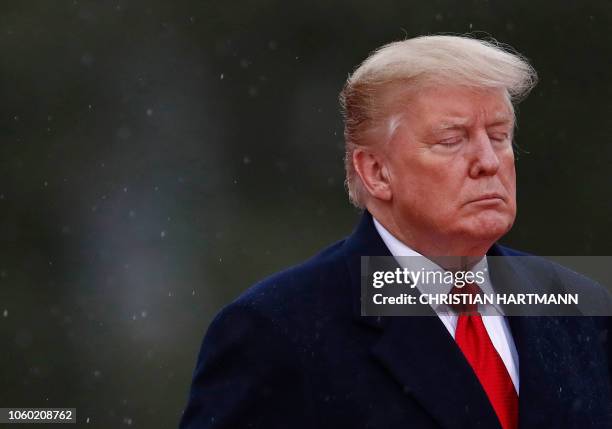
(451, 142)
(499, 138)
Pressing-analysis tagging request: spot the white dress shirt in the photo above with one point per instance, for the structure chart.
(495, 324)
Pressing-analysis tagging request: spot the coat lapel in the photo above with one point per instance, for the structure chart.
(418, 352)
(539, 342)
(424, 359)
(542, 378)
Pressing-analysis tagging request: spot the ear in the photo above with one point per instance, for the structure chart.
(371, 168)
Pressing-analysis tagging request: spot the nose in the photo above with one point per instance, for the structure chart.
(484, 160)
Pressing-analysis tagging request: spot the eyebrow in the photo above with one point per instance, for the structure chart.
(443, 126)
(459, 123)
(448, 125)
(505, 121)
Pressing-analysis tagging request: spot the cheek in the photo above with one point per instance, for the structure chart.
(507, 172)
(435, 190)
(508, 178)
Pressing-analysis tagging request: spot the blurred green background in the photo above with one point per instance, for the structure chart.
(158, 158)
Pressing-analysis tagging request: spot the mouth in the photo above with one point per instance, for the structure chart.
(488, 198)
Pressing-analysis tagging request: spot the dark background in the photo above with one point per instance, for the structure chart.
(157, 158)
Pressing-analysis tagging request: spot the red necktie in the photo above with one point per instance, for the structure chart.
(472, 338)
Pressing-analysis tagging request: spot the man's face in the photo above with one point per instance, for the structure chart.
(451, 166)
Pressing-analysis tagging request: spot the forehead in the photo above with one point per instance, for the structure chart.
(440, 107)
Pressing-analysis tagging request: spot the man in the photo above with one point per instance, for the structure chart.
(428, 128)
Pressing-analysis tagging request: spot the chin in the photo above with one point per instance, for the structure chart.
(490, 227)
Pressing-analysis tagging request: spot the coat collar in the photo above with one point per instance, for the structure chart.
(431, 368)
